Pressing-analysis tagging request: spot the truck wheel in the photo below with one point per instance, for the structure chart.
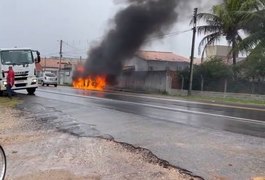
(42, 83)
(55, 85)
(31, 91)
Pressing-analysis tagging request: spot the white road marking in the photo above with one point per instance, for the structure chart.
(185, 101)
(162, 107)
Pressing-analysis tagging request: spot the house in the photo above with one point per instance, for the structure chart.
(219, 51)
(197, 61)
(153, 71)
(53, 64)
(222, 52)
(156, 61)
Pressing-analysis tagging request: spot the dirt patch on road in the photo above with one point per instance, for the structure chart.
(55, 175)
(36, 153)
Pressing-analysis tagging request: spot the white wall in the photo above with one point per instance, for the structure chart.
(144, 65)
(219, 51)
(155, 81)
(163, 66)
(138, 64)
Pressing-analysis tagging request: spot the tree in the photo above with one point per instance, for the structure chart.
(209, 75)
(253, 68)
(215, 68)
(253, 23)
(224, 21)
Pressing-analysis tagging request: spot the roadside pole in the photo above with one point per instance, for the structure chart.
(192, 50)
(60, 62)
(45, 61)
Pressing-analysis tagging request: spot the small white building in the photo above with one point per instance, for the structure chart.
(219, 51)
(156, 61)
(222, 52)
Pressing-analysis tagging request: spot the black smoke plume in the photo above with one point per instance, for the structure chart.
(133, 25)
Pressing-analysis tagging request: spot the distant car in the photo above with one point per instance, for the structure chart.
(48, 78)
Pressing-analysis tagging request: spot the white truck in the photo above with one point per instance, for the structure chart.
(23, 61)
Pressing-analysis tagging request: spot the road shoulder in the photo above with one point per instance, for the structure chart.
(34, 152)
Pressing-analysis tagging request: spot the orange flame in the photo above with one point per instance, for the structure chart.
(97, 83)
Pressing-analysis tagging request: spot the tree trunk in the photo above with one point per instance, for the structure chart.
(202, 82)
(234, 52)
(225, 87)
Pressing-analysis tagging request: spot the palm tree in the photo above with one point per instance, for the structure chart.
(224, 21)
(254, 25)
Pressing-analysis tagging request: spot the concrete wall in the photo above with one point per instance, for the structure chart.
(219, 51)
(159, 81)
(138, 64)
(144, 65)
(163, 66)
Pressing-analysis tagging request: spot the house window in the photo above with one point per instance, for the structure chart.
(150, 68)
(180, 68)
(67, 73)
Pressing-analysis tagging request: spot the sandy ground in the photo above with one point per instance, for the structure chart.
(36, 153)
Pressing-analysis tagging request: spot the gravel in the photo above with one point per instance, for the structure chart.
(34, 152)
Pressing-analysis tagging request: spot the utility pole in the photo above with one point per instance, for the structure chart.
(60, 62)
(45, 61)
(192, 50)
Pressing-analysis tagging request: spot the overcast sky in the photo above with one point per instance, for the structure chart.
(40, 24)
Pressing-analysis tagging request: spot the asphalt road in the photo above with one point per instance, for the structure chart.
(211, 140)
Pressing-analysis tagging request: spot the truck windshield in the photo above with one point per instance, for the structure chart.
(16, 57)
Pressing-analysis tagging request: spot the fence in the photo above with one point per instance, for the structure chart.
(175, 84)
(226, 85)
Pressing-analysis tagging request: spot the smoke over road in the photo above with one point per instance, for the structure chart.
(140, 20)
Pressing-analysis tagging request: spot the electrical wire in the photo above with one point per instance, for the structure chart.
(78, 51)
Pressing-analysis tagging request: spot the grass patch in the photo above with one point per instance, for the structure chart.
(6, 102)
(227, 100)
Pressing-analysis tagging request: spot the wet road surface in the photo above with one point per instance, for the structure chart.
(213, 141)
(245, 120)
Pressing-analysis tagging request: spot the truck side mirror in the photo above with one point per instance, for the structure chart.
(38, 57)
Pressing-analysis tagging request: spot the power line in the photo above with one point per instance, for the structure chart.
(168, 35)
(71, 46)
(76, 51)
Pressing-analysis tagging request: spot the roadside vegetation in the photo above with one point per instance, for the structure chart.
(227, 100)
(242, 24)
(6, 102)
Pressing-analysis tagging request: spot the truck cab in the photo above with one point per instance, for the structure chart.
(23, 61)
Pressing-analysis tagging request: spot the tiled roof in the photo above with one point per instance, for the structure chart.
(54, 62)
(161, 56)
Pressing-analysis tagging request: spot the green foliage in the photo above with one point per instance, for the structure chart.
(223, 21)
(213, 71)
(6, 102)
(228, 18)
(253, 23)
(253, 68)
(214, 68)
